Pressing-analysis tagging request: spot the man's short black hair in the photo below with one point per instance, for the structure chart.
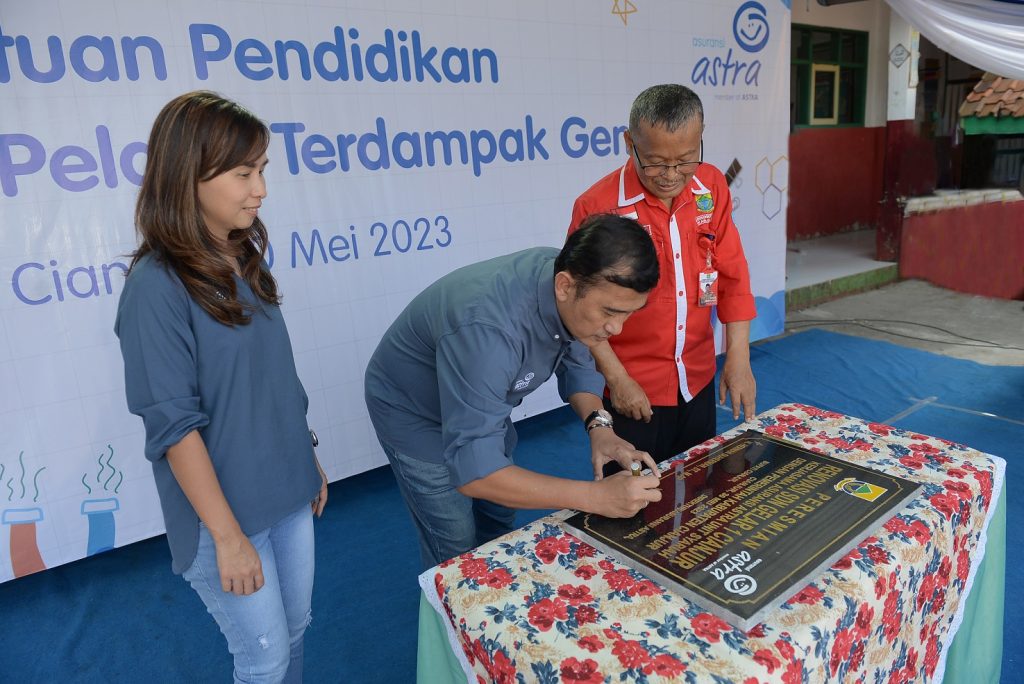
(612, 248)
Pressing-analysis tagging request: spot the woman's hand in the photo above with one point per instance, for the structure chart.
(320, 500)
(241, 572)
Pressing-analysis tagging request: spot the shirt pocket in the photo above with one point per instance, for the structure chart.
(664, 291)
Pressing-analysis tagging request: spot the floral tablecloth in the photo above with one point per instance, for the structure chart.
(539, 605)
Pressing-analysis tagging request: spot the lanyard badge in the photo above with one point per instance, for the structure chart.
(707, 283)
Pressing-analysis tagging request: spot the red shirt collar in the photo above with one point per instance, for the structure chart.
(631, 190)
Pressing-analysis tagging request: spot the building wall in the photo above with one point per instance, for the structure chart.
(837, 173)
(838, 190)
(871, 16)
(933, 248)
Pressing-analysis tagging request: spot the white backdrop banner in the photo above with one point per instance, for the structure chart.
(408, 138)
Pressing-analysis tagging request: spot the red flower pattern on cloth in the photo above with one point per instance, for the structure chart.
(841, 647)
(846, 562)
(624, 581)
(585, 672)
(880, 429)
(767, 659)
(473, 568)
(785, 649)
(915, 461)
(947, 504)
(666, 666)
(876, 554)
(794, 673)
(587, 615)
(708, 627)
(862, 625)
(892, 617)
(919, 532)
(549, 548)
(575, 595)
(502, 670)
(631, 654)
(542, 591)
(809, 595)
(543, 613)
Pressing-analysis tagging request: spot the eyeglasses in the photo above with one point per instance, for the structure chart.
(655, 170)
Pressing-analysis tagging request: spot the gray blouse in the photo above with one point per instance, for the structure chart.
(236, 385)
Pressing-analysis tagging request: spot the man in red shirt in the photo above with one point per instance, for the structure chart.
(659, 370)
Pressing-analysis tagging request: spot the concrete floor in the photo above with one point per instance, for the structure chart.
(818, 260)
(917, 314)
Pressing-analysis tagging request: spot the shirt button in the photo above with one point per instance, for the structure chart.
(558, 337)
(677, 255)
(680, 327)
(681, 293)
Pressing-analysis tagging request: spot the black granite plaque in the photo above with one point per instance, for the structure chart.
(744, 527)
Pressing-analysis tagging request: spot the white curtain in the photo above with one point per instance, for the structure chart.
(988, 34)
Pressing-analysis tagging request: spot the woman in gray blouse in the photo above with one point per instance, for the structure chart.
(209, 368)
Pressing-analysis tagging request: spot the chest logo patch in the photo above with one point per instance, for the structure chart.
(524, 383)
(705, 203)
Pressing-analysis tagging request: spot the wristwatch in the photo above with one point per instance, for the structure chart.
(599, 418)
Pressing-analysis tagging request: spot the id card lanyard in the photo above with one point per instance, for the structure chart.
(707, 282)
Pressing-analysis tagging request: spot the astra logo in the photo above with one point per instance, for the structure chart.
(750, 26)
(750, 30)
(524, 383)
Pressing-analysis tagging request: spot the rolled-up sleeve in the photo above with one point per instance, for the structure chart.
(576, 373)
(475, 367)
(159, 352)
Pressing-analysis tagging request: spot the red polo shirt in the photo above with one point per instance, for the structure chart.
(669, 345)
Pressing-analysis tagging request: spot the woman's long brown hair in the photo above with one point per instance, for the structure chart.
(198, 136)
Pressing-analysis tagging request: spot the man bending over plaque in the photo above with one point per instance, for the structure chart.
(442, 384)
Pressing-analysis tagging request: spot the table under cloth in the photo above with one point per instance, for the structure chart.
(540, 605)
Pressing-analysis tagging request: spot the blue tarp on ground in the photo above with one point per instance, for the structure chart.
(122, 615)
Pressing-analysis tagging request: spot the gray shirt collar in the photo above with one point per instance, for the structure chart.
(548, 309)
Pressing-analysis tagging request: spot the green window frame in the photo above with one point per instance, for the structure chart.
(828, 77)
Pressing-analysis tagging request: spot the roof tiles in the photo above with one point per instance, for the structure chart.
(995, 96)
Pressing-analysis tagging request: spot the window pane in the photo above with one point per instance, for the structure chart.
(846, 48)
(824, 46)
(824, 94)
(847, 95)
(798, 90)
(851, 48)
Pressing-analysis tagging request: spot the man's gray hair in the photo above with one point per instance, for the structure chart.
(668, 105)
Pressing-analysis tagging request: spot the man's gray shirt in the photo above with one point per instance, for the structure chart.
(445, 377)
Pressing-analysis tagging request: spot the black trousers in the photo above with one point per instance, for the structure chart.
(672, 430)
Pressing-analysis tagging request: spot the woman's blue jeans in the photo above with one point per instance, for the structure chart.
(265, 629)
(448, 522)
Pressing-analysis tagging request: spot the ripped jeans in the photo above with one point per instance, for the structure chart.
(264, 630)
